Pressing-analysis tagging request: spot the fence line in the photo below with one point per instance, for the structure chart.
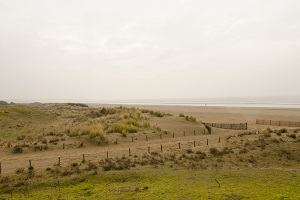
(277, 123)
(240, 126)
(110, 154)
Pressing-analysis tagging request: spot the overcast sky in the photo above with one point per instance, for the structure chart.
(158, 49)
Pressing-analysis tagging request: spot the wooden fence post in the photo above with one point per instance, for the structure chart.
(107, 155)
(183, 133)
(206, 141)
(179, 145)
(160, 136)
(129, 152)
(161, 148)
(219, 139)
(63, 145)
(194, 132)
(30, 164)
(173, 134)
(131, 139)
(194, 143)
(58, 161)
(117, 140)
(149, 150)
(83, 158)
(146, 138)
(0, 168)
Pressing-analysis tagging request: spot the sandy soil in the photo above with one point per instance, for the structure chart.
(42, 160)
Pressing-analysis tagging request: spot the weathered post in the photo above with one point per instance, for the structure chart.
(58, 161)
(146, 138)
(161, 148)
(149, 150)
(183, 133)
(131, 139)
(206, 141)
(129, 152)
(179, 145)
(107, 155)
(173, 134)
(0, 168)
(117, 140)
(83, 158)
(219, 139)
(194, 143)
(194, 132)
(30, 164)
(160, 136)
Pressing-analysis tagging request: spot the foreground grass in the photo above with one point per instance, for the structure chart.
(170, 183)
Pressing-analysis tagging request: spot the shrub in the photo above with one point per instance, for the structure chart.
(293, 136)
(181, 115)
(20, 170)
(189, 151)
(146, 125)
(216, 152)
(201, 154)
(17, 149)
(283, 130)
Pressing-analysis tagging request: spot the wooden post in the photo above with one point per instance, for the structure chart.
(0, 168)
(204, 131)
(206, 141)
(173, 134)
(194, 143)
(161, 148)
(63, 145)
(107, 155)
(58, 161)
(83, 158)
(194, 132)
(146, 138)
(117, 141)
(148, 149)
(183, 133)
(160, 136)
(219, 139)
(179, 145)
(132, 139)
(30, 164)
(247, 125)
(129, 152)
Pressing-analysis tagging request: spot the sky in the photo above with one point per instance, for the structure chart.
(96, 50)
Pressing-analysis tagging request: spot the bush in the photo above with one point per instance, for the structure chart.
(283, 130)
(216, 152)
(20, 170)
(189, 151)
(17, 149)
(181, 115)
(293, 136)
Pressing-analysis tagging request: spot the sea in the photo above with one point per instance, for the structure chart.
(260, 102)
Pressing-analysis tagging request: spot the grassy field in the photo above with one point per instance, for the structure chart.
(164, 182)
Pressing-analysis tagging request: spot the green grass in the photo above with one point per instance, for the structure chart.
(171, 183)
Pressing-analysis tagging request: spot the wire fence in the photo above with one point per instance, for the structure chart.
(104, 153)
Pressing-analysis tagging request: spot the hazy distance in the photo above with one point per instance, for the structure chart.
(101, 51)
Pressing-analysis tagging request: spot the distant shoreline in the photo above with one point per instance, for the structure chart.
(211, 104)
